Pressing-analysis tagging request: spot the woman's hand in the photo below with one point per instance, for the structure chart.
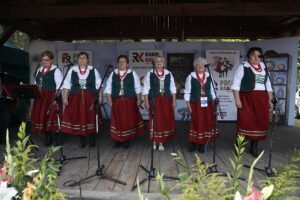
(189, 106)
(238, 103)
(66, 101)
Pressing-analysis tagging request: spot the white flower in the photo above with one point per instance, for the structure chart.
(5, 192)
(32, 172)
(267, 191)
(237, 196)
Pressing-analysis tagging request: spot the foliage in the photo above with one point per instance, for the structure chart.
(284, 182)
(19, 171)
(237, 164)
(199, 184)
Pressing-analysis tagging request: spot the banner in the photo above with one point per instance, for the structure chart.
(141, 62)
(223, 66)
(62, 56)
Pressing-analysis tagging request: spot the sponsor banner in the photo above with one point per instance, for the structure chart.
(223, 66)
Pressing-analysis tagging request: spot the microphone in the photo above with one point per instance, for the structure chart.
(70, 62)
(261, 56)
(110, 66)
(36, 69)
(68, 65)
(206, 65)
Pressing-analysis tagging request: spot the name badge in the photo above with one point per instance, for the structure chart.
(203, 102)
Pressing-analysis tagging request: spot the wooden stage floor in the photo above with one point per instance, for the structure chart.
(124, 164)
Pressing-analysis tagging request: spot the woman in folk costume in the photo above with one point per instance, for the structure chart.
(80, 90)
(161, 83)
(199, 95)
(48, 77)
(123, 90)
(252, 92)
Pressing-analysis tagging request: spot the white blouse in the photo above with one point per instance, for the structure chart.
(67, 83)
(137, 84)
(188, 86)
(147, 85)
(239, 73)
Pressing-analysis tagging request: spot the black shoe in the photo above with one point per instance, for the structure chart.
(117, 144)
(126, 145)
(82, 141)
(48, 139)
(92, 140)
(253, 148)
(192, 147)
(201, 148)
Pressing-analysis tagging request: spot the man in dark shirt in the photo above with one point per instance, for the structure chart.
(6, 105)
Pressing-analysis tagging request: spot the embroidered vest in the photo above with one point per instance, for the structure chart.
(196, 89)
(158, 86)
(249, 79)
(47, 82)
(90, 82)
(127, 88)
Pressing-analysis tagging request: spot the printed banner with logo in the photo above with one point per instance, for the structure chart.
(223, 66)
(62, 56)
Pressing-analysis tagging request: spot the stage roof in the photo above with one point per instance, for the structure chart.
(156, 19)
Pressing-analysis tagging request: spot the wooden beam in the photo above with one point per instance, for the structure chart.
(32, 29)
(125, 10)
(64, 34)
(6, 34)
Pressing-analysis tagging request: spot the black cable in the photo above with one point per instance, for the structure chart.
(73, 182)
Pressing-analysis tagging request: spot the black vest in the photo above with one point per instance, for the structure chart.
(156, 89)
(128, 85)
(196, 89)
(48, 81)
(90, 82)
(248, 80)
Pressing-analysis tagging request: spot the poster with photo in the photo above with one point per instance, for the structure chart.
(223, 64)
(180, 65)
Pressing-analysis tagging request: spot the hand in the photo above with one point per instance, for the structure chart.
(138, 103)
(238, 104)
(270, 105)
(109, 102)
(66, 102)
(174, 104)
(100, 101)
(147, 105)
(190, 109)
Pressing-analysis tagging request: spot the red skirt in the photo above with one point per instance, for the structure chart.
(164, 119)
(126, 120)
(253, 117)
(40, 121)
(78, 118)
(202, 123)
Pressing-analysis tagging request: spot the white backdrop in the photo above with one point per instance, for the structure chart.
(106, 53)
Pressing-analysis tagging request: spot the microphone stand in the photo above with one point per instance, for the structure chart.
(99, 172)
(214, 167)
(268, 169)
(55, 101)
(150, 173)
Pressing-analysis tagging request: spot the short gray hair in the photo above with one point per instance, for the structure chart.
(160, 57)
(200, 60)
